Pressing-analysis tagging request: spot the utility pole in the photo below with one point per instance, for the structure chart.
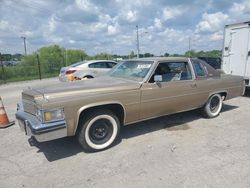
(137, 39)
(66, 57)
(39, 66)
(24, 43)
(189, 46)
(1, 61)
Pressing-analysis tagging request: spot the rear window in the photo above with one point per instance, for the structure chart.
(98, 65)
(200, 65)
(77, 64)
(199, 69)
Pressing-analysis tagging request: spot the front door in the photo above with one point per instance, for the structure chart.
(175, 93)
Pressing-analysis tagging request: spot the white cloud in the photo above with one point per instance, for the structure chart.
(240, 11)
(96, 25)
(52, 24)
(171, 12)
(131, 16)
(100, 26)
(113, 29)
(217, 36)
(4, 25)
(86, 5)
(240, 8)
(72, 41)
(212, 22)
(157, 23)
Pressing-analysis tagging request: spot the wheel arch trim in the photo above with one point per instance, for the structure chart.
(85, 107)
(217, 92)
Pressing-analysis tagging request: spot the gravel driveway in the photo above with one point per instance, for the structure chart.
(182, 150)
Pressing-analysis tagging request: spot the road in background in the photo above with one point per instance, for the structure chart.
(182, 150)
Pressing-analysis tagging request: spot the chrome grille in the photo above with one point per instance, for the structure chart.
(28, 97)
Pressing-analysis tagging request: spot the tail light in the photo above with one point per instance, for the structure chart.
(70, 71)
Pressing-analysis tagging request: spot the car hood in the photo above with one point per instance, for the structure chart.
(100, 85)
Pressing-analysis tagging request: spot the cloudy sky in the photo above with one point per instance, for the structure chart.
(110, 25)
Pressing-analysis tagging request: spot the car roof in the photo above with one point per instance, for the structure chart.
(96, 61)
(160, 59)
(87, 62)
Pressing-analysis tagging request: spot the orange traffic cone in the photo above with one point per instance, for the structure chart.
(4, 121)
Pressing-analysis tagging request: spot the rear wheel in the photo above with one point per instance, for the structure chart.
(98, 131)
(213, 106)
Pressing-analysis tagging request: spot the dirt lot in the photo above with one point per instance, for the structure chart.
(182, 150)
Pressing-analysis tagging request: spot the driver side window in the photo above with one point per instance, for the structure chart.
(172, 71)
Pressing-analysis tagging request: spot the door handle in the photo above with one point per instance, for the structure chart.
(193, 85)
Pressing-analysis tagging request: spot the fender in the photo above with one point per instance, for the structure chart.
(96, 105)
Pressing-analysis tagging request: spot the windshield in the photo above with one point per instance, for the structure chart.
(133, 70)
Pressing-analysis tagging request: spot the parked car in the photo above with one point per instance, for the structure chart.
(85, 69)
(215, 62)
(133, 91)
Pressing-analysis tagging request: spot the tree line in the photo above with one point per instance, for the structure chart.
(52, 58)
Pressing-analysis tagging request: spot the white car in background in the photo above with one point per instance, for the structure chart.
(85, 70)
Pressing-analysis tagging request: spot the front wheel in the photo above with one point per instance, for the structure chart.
(98, 131)
(213, 106)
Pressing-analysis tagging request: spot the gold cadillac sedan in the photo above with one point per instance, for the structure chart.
(135, 90)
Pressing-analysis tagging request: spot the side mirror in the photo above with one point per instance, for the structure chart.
(157, 78)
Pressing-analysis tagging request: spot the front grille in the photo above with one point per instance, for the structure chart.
(29, 107)
(27, 97)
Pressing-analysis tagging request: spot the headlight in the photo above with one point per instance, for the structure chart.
(51, 115)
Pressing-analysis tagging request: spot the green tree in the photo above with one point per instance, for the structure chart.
(132, 54)
(166, 54)
(51, 58)
(190, 53)
(104, 56)
(148, 55)
(73, 56)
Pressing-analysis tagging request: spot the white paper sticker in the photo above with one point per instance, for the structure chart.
(144, 66)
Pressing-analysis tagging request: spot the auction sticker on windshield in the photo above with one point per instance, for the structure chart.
(143, 66)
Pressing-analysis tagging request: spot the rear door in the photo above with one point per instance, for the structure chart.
(238, 51)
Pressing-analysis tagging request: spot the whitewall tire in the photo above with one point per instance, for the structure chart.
(99, 131)
(213, 106)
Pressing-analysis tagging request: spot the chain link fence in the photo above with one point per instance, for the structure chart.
(28, 71)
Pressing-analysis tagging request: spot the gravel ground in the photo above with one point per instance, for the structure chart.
(182, 150)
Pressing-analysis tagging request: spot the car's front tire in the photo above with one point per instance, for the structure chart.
(98, 130)
(213, 106)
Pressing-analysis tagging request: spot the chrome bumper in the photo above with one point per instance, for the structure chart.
(42, 132)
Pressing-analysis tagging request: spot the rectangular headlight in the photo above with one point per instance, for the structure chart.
(51, 115)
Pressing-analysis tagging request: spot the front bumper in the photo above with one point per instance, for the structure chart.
(42, 132)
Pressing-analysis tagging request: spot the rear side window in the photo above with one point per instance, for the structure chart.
(199, 69)
(98, 65)
(110, 64)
